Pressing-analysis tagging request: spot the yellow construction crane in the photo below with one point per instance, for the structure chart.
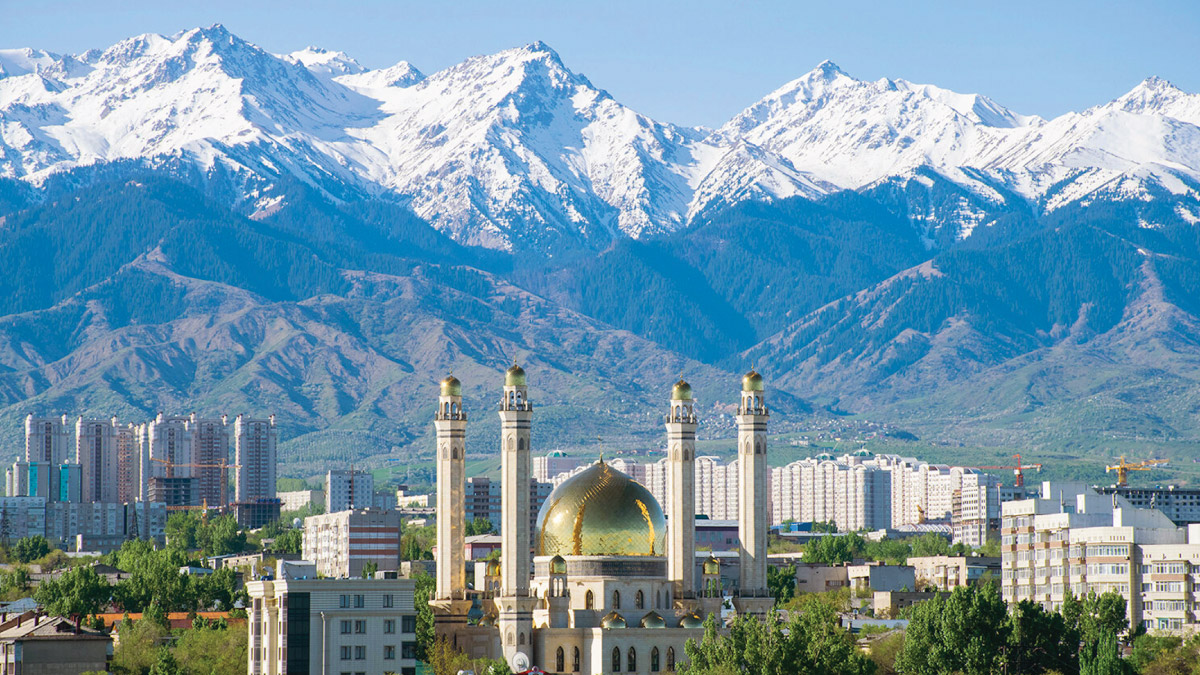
(223, 466)
(1123, 468)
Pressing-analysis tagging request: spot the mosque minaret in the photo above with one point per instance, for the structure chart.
(604, 583)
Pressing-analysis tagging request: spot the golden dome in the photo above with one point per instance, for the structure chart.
(451, 386)
(514, 376)
(712, 566)
(493, 568)
(558, 565)
(752, 381)
(612, 620)
(682, 391)
(600, 511)
(691, 621)
(653, 620)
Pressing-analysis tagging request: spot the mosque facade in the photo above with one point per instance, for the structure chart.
(604, 582)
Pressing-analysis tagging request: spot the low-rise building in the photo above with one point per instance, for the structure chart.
(340, 544)
(819, 577)
(301, 624)
(50, 645)
(298, 499)
(946, 572)
(877, 576)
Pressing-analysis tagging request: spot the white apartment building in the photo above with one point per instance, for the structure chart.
(853, 493)
(341, 544)
(1073, 539)
(298, 499)
(301, 624)
(48, 439)
(346, 489)
(255, 441)
(546, 467)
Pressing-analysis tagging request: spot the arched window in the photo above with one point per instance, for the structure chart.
(575, 660)
(631, 661)
(658, 599)
(589, 601)
(671, 658)
(521, 639)
(510, 638)
(639, 600)
(616, 603)
(616, 660)
(560, 660)
(520, 443)
(654, 660)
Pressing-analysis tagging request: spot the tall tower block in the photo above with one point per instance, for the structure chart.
(451, 424)
(753, 596)
(515, 607)
(681, 491)
(515, 417)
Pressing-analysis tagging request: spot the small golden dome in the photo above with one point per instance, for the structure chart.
(712, 566)
(682, 391)
(691, 621)
(558, 565)
(493, 568)
(612, 620)
(514, 376)
(600, 511)
(487, 620)
(653, 620)
(752, 381)
(451, 386)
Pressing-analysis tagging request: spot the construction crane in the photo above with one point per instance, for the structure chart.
(223, 466)
(1123, 468)
(1018, 470)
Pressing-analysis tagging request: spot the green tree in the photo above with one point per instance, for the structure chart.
(221, 536)
(425, 585)
(289, 541)
(812, 643)
(166, 664)
(183, 530)
(369, 569)
(1039, 641)
(1101, 656)
(29, 549)
(479, 526)
(781, 581)
(137, 648)
(213, 650)
(834, 549)
(965, 632)
(76, 593)
(1147, 649)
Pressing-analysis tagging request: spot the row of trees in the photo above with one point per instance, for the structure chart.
(847, 547)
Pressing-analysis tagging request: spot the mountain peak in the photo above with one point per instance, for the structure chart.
(828, 69)
(326, 62)
(1155, 95)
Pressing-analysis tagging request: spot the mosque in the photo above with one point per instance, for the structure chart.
(605, 583)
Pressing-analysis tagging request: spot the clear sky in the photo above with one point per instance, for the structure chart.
(699, 61)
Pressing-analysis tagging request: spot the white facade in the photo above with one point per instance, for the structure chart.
(97, 448)
(341, 544)
(48, 439)
(299, 623)
(255, 441)
(346, 489)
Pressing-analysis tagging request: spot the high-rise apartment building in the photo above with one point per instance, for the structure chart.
(255, 440)
(348, 489)
(97, 450)
(210, 457)
(546, 467)
(482, 499)
(48, 439)
(129, 464)
(852, 493)
(168, 471)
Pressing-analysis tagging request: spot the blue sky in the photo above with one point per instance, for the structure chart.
(702, 61)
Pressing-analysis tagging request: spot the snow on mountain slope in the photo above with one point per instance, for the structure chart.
(514, 150)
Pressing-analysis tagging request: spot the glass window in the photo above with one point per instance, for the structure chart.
(616, 659)
(345, 652)
(346, 627)
(408, 623)
(408, 650)
(387, 600)
(389, 626)
(360, 626)
(360, 653)
(359, 601)
(389, 652)
(344, 602)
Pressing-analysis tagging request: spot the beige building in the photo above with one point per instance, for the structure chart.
(614, 586)
(946, 572)
(50, 645)
(341, 544)
(1072, 539)
(301, 624)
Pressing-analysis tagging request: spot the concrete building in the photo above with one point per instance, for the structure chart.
(819, 577)
(556, 462)
(97, 449)
(210, 454)
(299, 499)
(167, 469)
(21, 517)
(482, 499)
(852, 492)
(255, 441)
(341, 544)
(877, 576)
(946, 572)
(348, 489)
(50, 645)
(1181, 505)
(301, 624)
(48, 439)
(129, 464)
(1073, 539)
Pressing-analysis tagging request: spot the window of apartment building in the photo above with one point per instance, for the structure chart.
(360, 601)
(389, 626)
(1168, 586)
(360, 626)
(360, 652)
(1170, 568)
(408, 623)
(1110, 550)
(346, 652)
(389, 652)
(345, 627)
(408, 650)
(344, 602)
(387, 600)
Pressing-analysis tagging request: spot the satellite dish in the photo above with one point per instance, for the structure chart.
(520, 662)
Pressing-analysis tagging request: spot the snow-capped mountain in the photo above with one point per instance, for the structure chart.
(514, 150)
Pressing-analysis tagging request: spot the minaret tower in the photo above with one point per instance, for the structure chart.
(515, 607)
(753, 596)
(681, 491)
(451, 423)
